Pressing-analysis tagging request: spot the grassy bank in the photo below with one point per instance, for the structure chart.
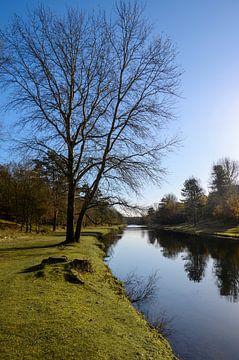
(206, 228)
(59, 311)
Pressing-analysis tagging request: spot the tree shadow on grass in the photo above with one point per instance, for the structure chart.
(61, 245)
(32, 269)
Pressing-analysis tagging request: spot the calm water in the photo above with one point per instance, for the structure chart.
(198, 288)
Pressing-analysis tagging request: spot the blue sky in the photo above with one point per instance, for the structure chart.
(206, 36)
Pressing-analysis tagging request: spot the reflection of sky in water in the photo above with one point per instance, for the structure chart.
(198, 287)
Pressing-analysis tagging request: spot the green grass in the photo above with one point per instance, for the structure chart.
(43, 316)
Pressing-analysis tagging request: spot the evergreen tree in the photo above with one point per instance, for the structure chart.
(193, 198)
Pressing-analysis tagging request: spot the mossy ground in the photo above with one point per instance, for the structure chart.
(44, 316)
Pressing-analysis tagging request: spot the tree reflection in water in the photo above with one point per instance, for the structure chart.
(109, 241)
(196, 260)
(226, 270)
(196, 253)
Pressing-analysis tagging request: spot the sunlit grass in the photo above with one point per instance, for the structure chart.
(47, 317)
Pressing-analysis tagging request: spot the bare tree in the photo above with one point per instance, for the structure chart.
(224, 175)
(231, 168)
(3, 61)
(94, 92)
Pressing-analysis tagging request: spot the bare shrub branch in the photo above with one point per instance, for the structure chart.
(161, 322)
(140, 289)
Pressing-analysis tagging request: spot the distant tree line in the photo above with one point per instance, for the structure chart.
(221, 203)
(34, 195)
(134, 220)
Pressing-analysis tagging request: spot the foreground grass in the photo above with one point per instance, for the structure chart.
(210, 228)
(43, 316)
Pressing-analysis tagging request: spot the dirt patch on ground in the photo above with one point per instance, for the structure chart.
(71, 270)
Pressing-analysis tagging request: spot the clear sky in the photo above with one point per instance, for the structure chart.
(206, 35)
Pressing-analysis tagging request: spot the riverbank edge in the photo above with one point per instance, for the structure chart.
(149, 328)
(105, 324)
(189, 229)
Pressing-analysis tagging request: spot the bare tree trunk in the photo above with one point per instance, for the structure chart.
(84, 209)
(70, 213)
(195, 216)
(79, 226)
(54, 221)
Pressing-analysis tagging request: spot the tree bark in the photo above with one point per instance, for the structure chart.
(70, 212)
(78, 226)
(54, 220)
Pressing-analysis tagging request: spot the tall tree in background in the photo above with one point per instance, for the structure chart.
(170, 211)
(57, 186)
(223, 199)
(224, 176)
(219, 182)
(94, 92)
(24, 195)
(193, 198)
(231, 168)
(6, 192)
(33, 195)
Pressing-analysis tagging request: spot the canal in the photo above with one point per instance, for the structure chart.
(197, 290)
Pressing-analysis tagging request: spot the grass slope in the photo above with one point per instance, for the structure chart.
(43, 316)
(213, 228)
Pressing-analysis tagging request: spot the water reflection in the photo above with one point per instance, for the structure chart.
(226, 271)
(196, 253)
(196, 277)
(110, 241)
